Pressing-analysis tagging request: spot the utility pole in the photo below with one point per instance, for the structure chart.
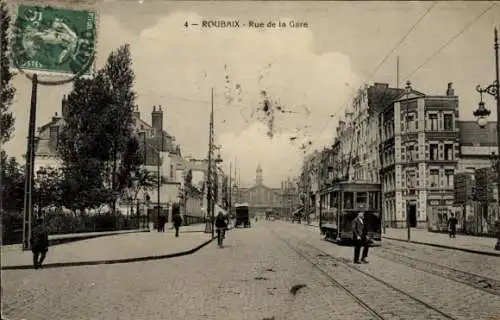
(210, 214)
(230, 189)
(30, 168)
(408, 226)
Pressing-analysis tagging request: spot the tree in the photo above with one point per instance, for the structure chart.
(188, 181)
(98, 146)
(119, 79)
(82, 148)
(132, 159)
(47, 187)
(6, 90)
(82, 186)
(145, 181)
(12, 184)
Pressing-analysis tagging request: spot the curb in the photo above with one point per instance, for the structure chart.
(485, 253)
(116, 261)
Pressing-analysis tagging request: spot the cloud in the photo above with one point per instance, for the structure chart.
(177, 64)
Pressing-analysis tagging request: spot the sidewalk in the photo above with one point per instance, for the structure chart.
(480, 245)
(120, 248)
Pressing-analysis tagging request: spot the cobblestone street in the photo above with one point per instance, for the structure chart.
(251, 278)
(455, 297)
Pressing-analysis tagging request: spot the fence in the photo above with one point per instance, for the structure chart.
(188, 220)
(474, 219)
(59, 223)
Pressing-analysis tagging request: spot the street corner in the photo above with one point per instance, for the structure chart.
(122, 248)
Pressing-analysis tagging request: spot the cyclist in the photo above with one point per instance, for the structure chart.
(221, 227)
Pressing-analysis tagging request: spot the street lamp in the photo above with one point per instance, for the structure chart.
(482, 113)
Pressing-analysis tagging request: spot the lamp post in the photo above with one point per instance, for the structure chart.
(135, 183)
(481, 113)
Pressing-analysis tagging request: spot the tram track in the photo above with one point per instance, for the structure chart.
(381, 299)
(485, 284)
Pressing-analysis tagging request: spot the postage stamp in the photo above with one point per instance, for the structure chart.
(51, 39)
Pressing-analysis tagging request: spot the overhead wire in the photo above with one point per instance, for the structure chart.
(451, 40)
(345, 104)
(441, 49)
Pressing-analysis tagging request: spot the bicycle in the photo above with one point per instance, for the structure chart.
(221, 234)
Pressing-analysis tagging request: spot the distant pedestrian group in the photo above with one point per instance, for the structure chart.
(162, 220)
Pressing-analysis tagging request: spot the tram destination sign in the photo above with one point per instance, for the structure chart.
(54, 40)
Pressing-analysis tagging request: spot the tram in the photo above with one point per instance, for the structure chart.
(242, 215)
(340, 205)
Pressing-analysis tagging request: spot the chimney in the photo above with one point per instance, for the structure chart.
(55, 117)
(450, 92)
(137, 114)
(381, 86)
(54, 137)
(157, 119)
(342, 125)
(64, 107)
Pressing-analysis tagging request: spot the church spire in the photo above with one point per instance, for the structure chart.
(258, 175)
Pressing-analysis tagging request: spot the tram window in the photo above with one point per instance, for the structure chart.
(361, 199)
(333, 199)
(348, 200)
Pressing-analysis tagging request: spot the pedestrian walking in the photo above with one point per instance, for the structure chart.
(161, 223)
(360, 238)
(39, 243)
(452, 226)
(177, 220)
(221, 227)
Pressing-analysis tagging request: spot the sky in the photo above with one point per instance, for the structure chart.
(310, 72)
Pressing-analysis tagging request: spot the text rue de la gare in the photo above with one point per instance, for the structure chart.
(253, 24)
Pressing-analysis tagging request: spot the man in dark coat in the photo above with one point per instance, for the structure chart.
(176, 218)
(452, 226)
(360, 238)
(39, 243)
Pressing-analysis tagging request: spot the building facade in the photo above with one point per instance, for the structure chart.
(419, 155)
(355, 153)
(259, 196)
(478, 150)
(161, 153)
(309, 183)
